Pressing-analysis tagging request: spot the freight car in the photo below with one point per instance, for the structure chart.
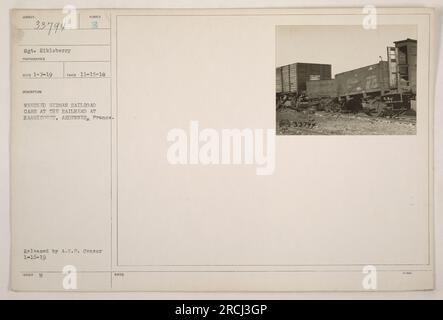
(383, 80)
(385, 85)
(291, 82)
(293, 77)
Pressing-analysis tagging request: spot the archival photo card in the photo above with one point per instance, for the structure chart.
(148, 152)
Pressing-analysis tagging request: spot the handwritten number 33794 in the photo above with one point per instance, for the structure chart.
(51, 27)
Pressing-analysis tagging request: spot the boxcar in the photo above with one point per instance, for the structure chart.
(293, 77)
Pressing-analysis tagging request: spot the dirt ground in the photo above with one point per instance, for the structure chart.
(292, 122)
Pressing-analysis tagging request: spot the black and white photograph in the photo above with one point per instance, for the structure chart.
(346, 80)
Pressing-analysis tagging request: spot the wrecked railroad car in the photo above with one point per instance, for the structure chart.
(392, 81)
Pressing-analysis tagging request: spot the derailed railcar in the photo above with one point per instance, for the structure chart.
(380, 81)
(392, 82)
(291, 82)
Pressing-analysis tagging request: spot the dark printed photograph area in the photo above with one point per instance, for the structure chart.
(346, 80)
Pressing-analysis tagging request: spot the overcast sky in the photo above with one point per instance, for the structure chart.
(344, 47)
